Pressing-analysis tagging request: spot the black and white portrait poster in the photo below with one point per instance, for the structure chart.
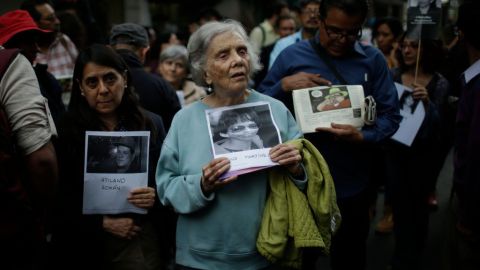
(423, 18)
(413, 114)
(115, 163)
(244, 134)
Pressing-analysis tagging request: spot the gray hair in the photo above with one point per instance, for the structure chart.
(200, 40)
(175, 52)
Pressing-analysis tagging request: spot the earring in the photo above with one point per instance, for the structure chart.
(209, 88)
(125, 86)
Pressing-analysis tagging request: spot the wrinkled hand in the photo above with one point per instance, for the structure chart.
(212, 171)
(143, 197)
(121, 227)
(343, 132)
(303, 80)
(420, 93)
(287, 155)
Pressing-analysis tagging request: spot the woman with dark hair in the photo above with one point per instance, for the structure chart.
(104, 100)
(386, 32)
(413, 170)
(239, 131)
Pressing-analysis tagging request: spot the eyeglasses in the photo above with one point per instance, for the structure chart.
(242, 127)
(336, 33)
(413, 45)
(314, 12)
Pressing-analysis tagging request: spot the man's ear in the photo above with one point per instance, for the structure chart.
(143, 53)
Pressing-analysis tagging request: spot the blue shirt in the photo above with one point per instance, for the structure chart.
(350, 163)
(282, 44)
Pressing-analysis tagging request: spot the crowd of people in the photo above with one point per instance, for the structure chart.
(194, 213)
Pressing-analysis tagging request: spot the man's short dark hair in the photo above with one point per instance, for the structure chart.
(469, 23)
(350, 7)
(30, 7)
(303, 3)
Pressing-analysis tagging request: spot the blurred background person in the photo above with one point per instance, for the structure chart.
(59, 54)
(309, 23)
(131, 42)
(284, 26)
(413, 170)
(264, 34)
(385, 33)
(18, 30)
(174, 68)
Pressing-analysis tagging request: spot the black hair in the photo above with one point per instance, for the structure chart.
(303, 3)
(469, 23)
(128, 111)
(30, 7)
(350, 7)
(432, 55)
(393, 23)
(282, 18)
(230, 117)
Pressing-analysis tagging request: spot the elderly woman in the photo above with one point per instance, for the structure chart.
(174, 69)
(103, 100)
(219, 219)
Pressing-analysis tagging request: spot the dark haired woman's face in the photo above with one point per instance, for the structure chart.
(384, 38)
(409, 49)
(103, 88)
(124, 156)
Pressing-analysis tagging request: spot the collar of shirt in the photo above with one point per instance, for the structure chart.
(472, 71)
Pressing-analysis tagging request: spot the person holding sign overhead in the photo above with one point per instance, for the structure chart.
(219, 219)
(413, 171)
(103, 100)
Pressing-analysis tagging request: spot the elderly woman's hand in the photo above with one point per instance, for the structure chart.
(212, 171)
(120, 227)
(143, 197)
(289, 156)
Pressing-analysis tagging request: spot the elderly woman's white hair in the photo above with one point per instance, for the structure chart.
(200, 40)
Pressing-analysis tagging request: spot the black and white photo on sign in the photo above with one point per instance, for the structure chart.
(243, 133)
(115, 163)
(423, 18)
(413, 114)
(117, 154)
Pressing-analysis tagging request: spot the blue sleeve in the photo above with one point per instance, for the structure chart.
(386, 98)
(182, 192)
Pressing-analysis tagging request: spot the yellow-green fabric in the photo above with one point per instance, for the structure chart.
(292, 219)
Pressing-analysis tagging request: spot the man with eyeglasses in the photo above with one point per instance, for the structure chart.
(336, 57)
(60, 55)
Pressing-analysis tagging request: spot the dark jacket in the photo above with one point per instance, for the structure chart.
(51, 90)
(155, 94)
(77, 237)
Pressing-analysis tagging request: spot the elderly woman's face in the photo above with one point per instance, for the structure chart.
(102, 87)
(173, 71)
(228, 63)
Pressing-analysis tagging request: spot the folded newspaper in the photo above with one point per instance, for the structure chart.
(322, 105)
